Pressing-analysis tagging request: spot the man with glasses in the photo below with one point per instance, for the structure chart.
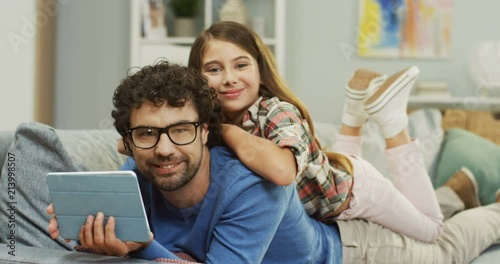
(201, 200)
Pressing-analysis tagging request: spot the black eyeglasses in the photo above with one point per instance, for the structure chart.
(180, 134)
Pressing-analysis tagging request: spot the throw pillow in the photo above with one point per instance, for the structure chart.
(482, 157)
(36, 151)
(93, 149)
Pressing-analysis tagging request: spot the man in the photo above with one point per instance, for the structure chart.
(202, 201)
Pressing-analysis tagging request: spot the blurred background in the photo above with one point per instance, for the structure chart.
(62, 59)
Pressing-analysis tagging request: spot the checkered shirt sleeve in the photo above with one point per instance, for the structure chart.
(322, 188)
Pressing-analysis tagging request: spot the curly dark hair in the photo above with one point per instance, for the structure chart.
(173, 84)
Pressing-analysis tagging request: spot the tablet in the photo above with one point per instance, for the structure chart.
(76, 195)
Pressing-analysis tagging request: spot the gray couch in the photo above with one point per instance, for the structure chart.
(28, 154)
(33, 150)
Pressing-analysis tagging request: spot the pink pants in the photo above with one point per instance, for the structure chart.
(408, 205)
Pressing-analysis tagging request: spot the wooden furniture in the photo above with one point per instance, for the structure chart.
(479, 115)
(473, 103)
(146, 51)
(482, 123)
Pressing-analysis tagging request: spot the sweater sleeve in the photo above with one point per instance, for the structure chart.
(129, 164)
(249, 223)
(154, 251)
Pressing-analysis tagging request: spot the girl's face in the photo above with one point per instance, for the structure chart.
(234, 74)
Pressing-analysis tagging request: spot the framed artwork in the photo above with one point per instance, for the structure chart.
(404, 28)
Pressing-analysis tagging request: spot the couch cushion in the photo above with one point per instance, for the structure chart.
(93, 149)
(40, 149)
(480, 156)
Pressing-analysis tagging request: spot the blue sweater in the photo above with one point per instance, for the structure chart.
(243, 218)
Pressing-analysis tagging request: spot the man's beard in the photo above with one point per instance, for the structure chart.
(174, 181)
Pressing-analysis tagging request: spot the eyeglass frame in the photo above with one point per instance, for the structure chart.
(165, 130)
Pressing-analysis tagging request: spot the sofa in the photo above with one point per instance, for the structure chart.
(33, 149)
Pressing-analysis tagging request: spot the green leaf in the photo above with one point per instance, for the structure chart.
(184, 8)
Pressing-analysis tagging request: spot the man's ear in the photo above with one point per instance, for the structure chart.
(127, 150)
(127, 145)
(204, 133)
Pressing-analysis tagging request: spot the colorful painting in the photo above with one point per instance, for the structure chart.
(405, 28)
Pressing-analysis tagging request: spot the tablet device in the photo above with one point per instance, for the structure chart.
(76, 195)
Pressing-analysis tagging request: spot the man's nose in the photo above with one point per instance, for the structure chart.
(165, 147)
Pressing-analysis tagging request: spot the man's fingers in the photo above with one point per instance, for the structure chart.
(55, 234)
(50, 209)
(116, 244)
(81, 237)
(110, 230)
(52, 224)
(88, 231)
(94, 234)
(53, 228)
(99, 230)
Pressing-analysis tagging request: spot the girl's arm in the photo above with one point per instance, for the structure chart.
(261, 155)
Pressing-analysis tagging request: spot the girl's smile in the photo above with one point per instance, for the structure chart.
(231, 94)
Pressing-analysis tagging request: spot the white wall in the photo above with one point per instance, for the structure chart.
(17, 62)
(317, 69)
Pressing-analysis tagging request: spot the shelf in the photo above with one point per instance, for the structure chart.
(144, 51)
(468, 103)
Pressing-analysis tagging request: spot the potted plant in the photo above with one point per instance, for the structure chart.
(185, 12)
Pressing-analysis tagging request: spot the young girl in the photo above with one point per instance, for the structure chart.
(282, 148)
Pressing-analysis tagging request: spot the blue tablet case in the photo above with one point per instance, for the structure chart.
(76, 195)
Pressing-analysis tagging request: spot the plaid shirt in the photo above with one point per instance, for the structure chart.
(322, 188)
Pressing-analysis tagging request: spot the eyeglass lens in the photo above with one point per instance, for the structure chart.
(180, 134)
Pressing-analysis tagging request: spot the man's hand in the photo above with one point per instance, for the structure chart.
(94, 234)
(53, 227)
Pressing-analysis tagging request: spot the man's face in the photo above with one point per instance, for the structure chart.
(168, 166)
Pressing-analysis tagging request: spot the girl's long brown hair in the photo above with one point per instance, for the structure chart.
(272, 83)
